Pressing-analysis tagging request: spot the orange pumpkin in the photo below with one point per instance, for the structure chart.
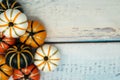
(5, 70)
(35, 34)
(5, 43)
(29, 73)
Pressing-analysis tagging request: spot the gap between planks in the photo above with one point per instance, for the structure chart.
(72, 42)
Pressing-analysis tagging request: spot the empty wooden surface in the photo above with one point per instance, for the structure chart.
(76, 20)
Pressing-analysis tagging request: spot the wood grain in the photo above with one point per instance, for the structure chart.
(76, 20)
(87, 62)
(69, 21)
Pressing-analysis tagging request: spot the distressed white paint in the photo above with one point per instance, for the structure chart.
(76, 20)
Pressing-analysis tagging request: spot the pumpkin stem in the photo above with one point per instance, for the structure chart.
(45, 58)
(26, 77)
(31, 33)
(11, 24)
(0, 39)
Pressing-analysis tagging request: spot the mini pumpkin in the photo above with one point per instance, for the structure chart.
(35, 34)
(5, 70)
(29, 73)
(47, 58)
(19, 56)
(5, 43)
(13, 23)
(9, 4)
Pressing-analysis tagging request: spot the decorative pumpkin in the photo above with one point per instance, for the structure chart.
(13, 23)
(19, 56)
(5, 43)
(47, 58)
(5, 70)
(10, 4)
(35, 34)
(29, 73)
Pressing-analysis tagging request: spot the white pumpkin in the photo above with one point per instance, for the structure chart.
(47, 58)
(13, 23)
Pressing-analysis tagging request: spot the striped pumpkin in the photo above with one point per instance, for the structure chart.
(19, 56)
(5, 43)
(5, 70)
(47, 58)
(35, 34)
(29, 73)
(10, 4)
(13, 23)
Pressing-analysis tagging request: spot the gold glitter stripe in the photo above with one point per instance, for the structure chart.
(39, 54)
(16, 16)
(25, 59)
(3, 5)
(18, 60)
(49, 50)
(13, 4)
(49, 66)
(6, 17)
(10, 63)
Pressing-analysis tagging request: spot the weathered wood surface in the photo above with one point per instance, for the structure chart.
(76, 20)
(80, 20)
(87, 62)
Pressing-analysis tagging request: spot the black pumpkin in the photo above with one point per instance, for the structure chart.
(19, 56)
(10, 4)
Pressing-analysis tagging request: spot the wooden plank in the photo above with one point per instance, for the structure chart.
(76, 20)
(87, 62)
(91, 61)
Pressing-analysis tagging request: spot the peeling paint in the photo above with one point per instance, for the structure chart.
(107, 29)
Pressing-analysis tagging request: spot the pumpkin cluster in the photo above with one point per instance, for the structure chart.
(23, 53)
